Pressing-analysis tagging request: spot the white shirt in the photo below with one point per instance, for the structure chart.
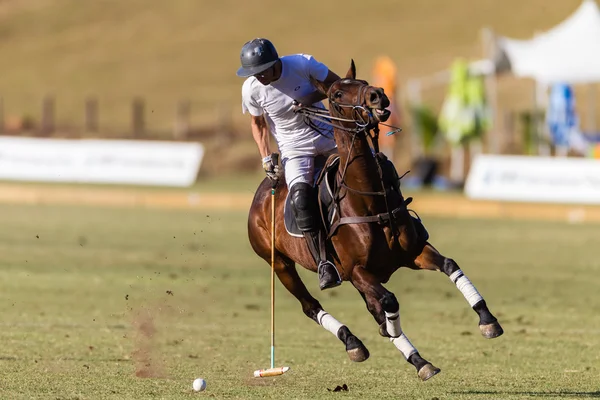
(275, 101)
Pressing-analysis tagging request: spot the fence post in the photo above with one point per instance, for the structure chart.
(48, 113)
(137, 117)
(182, 120)
(1, 115)
(515, 142)
(91, 115)
(224, 123)
(413, 91)
(591, 101)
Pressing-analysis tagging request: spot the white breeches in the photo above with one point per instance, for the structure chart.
(299, 164)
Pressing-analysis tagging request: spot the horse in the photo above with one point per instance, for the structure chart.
(374, 234)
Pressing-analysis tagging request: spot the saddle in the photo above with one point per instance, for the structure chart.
(326, 184)
(325, 170)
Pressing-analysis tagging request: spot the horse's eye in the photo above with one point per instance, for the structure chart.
(338, 94)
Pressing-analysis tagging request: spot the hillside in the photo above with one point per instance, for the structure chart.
(169, 50)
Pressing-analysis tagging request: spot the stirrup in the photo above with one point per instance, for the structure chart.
(329, 276)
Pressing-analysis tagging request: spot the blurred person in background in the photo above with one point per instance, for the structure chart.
(385, 76)
(273, 88)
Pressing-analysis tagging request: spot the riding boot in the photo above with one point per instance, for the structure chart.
(328, 274)
(304, 202)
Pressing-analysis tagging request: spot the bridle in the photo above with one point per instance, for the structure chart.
(370, 128)
(322, 115)
(312, 114)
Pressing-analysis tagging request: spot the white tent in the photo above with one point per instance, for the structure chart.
(569, 52)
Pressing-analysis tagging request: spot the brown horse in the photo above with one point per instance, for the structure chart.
(376, 237)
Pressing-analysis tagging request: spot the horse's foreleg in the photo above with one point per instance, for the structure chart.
(430, 258)
(374, 307)
(386, 311)
(287, 274)
(376, 310)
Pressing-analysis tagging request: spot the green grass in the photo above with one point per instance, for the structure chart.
(166, 51)
(90, 296)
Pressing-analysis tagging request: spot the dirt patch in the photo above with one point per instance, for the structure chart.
(147, 360)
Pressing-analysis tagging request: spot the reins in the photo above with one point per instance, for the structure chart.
(371, 131)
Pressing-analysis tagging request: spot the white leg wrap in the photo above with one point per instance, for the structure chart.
(392, 324)
(328, 322)
(404, 345)
(466, 287)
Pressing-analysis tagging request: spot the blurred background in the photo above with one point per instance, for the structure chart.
(127, 169)
(152, 70)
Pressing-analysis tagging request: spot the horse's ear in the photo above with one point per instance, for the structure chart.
(352, 71)
(320, 86)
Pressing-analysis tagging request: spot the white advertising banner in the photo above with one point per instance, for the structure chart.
(133, 162)
(535, 179)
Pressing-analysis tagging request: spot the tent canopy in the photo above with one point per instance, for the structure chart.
(569, 52)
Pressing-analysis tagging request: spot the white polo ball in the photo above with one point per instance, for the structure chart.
(199, 384)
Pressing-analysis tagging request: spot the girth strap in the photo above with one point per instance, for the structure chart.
(379, 218)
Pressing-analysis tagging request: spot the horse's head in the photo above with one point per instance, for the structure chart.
(356, 100)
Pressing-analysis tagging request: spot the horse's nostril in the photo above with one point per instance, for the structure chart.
(374, 98)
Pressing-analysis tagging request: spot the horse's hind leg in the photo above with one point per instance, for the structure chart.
(287, 274)
(431, 259)
(386, 310)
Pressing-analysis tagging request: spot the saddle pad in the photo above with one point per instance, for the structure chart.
(325, 192)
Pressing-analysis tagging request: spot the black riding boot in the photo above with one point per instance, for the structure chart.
(328, 274)
(304, 204)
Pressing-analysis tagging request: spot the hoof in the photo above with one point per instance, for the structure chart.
(358, 354)
(428, 371)
(491, 331)
(354, 347)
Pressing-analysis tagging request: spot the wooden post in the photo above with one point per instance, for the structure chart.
(48, 114)
(515, 143)
(224, 123)
(137, 117)
(1, 115)
(91, 115)
(413, 90)
(541, 103)
(182, 120)
(489, 47)
(457, 164)
(591, 117)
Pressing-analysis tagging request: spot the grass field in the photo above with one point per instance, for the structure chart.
(110, 303)
(168, 51)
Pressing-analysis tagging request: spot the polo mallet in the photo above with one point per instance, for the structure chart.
(261, 373)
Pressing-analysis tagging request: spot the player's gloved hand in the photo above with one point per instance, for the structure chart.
(296, 106)
(271, 166)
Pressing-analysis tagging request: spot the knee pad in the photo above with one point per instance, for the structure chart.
(390, 174)
(420, 228)
(304, 207)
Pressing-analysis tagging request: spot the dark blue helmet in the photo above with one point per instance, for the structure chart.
(257, 56)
